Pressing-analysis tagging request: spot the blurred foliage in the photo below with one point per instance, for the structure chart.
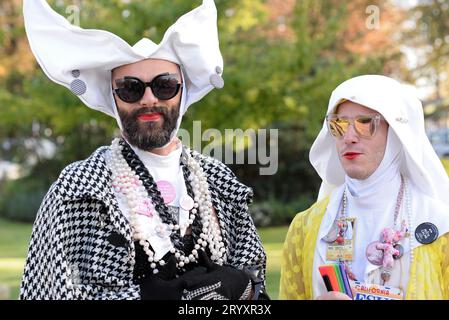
(427, 33)
(274, 212)
(282, 60)
(21, 198)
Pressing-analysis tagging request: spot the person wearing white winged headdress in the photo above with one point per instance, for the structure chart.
(383, 208)
(146, 217)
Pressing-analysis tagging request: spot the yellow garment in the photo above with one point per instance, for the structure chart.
(430, 265)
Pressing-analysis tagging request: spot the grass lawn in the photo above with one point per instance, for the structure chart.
(14, 238)
(272, 239)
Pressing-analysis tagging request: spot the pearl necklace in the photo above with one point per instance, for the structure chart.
(143, 215)
(403, 230)
(411, 238)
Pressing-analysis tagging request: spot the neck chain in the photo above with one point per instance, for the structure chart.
(388, 249)
(149, 214)
(344, 213)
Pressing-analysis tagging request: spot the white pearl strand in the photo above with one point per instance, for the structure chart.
(211, 231)
(410, 225)
(128, 183)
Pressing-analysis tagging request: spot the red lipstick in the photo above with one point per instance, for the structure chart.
(351, 155)
(155, 116)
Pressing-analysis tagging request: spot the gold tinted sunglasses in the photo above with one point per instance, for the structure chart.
(364, 125)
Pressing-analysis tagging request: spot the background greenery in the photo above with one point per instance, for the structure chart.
(282, 59)
(14, 240)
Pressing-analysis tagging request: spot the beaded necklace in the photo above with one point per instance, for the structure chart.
(147, 207)
(386, 250)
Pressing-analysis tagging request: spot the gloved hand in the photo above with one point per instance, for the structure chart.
(163, 285)
(206, 281)
(215, 282)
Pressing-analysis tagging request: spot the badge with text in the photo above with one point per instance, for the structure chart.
(344, 250)
(364, 291)
(168, 191)
(426, 233)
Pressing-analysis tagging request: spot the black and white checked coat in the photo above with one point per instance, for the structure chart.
(71, 255)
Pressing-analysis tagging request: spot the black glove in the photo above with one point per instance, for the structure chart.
(205, 281)
(215, 282)
(163, 285)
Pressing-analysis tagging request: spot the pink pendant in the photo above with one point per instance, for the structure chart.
(186, 203)
(167, 190)
(145, 208)
(374, 255)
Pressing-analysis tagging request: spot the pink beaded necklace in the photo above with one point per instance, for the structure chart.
(383, 252)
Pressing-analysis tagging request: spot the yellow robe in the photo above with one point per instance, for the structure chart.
(430, 265)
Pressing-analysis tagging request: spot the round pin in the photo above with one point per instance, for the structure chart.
(374, 255)
(186, 203)
(167, 190)
(400, 248)
(426, 233)
(217, 81)
(78, 87)
(332, 235)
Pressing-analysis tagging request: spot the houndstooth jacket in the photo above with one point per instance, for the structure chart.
(72, 252)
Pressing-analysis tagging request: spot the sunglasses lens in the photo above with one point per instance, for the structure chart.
(365, 126)
(338, 127)
(165, 87)
(130, 90)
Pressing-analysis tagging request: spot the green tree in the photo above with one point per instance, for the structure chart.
(284, 81)
(280, 68)
(428, 34)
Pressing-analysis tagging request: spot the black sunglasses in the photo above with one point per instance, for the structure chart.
(164, 87)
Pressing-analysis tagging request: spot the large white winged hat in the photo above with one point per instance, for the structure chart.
(82, 59)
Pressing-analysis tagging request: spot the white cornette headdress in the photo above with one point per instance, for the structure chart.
(408, 151)
(403, 112)
(82, 59)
